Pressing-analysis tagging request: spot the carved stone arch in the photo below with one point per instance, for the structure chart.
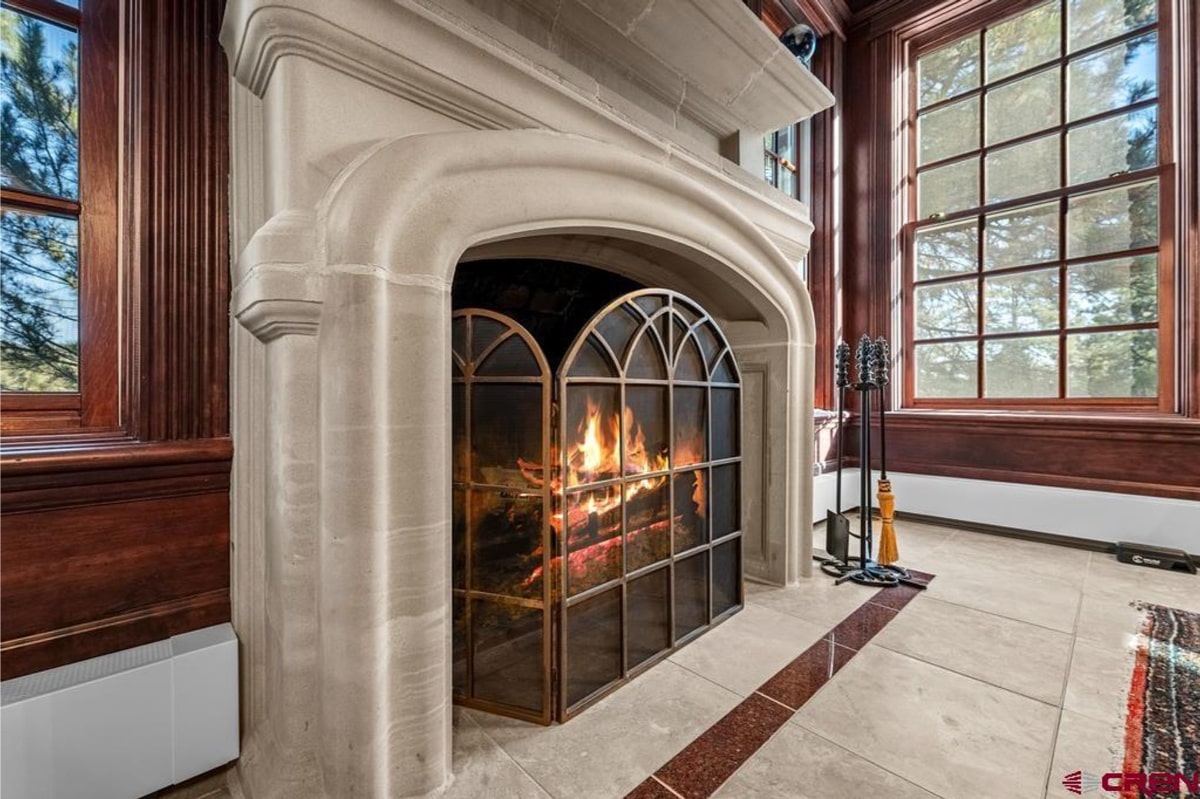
(355, 295)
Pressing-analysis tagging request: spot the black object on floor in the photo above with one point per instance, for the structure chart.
(1155, 557)
(837, 526)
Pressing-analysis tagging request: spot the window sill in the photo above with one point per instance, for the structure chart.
(47, 456)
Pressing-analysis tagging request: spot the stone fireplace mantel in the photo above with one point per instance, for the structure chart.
(364, 172)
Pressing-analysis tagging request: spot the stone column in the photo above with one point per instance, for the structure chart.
(384, 615)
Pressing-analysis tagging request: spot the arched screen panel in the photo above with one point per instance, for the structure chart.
(648, 518)
(501, 555)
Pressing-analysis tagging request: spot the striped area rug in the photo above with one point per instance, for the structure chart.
(1162, 727)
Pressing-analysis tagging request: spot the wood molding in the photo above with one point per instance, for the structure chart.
(58, 460)
(19, 656)
(177, 225)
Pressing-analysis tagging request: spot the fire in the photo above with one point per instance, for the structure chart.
(600, 453)
(595, 455)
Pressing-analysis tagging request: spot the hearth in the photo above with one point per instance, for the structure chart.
(596, 506)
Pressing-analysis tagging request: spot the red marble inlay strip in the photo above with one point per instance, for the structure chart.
(651, 789)
(795, 683)
(708, 761)
(860, 626)
(895, 598)
(702, 767)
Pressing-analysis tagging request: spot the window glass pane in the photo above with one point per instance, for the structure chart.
(1092, 21)
(1114, 77)
(947, 370)
(947, 249)
(1022, 302)
(948, 71)
(39, 301)
(945, 310)
(948, 188)
(1118, 219)
(785, 143)
(769, 168)
(948, 130)
(1024, 236)
(1022, 170)
(39, 91)
(1021, 367)
(787, 183)
(1024, 106)
(1117, 144)
(1120, 364)
(1024, 41)
(1124, 291)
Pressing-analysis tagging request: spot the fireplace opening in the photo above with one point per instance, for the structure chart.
(597, 494)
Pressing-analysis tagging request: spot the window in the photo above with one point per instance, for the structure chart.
(58, 284)
(784, 165)
(1040, 192)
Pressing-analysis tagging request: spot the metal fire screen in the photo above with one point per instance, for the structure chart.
(641, 508)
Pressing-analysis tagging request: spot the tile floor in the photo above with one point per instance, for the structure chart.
(1007, 673)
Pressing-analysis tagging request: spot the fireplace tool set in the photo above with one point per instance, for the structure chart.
(872, 362)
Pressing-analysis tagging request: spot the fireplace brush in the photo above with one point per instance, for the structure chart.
(888, 553)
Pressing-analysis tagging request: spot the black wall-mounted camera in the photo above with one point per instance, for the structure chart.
(801, 41)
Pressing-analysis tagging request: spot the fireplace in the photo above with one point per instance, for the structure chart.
(596, 521)
(379, 150)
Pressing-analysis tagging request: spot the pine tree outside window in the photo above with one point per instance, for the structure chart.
(58, 275)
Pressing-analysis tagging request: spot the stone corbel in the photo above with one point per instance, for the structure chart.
(278, 289)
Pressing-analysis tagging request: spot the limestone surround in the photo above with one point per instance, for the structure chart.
(376, 145)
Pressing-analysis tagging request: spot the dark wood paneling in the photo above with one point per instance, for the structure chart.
(119, 537)
(75, 586)
(824, 256)
(1147, 457)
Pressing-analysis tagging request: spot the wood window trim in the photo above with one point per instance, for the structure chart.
(96, 406)
(924, 37)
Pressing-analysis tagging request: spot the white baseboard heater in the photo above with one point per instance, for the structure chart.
(123, 725)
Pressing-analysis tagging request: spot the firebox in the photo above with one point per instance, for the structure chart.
(597, 509)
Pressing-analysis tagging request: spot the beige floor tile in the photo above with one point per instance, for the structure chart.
(950, 734)
(612, 746)
(796, 763)
(1084, 744)
(1109, 620)
(816, 599)
(745, 651)
(976, 551)
(1098, 683)
(1021, 657)
(1107, 577)
(481, 767)
(1006, 590)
